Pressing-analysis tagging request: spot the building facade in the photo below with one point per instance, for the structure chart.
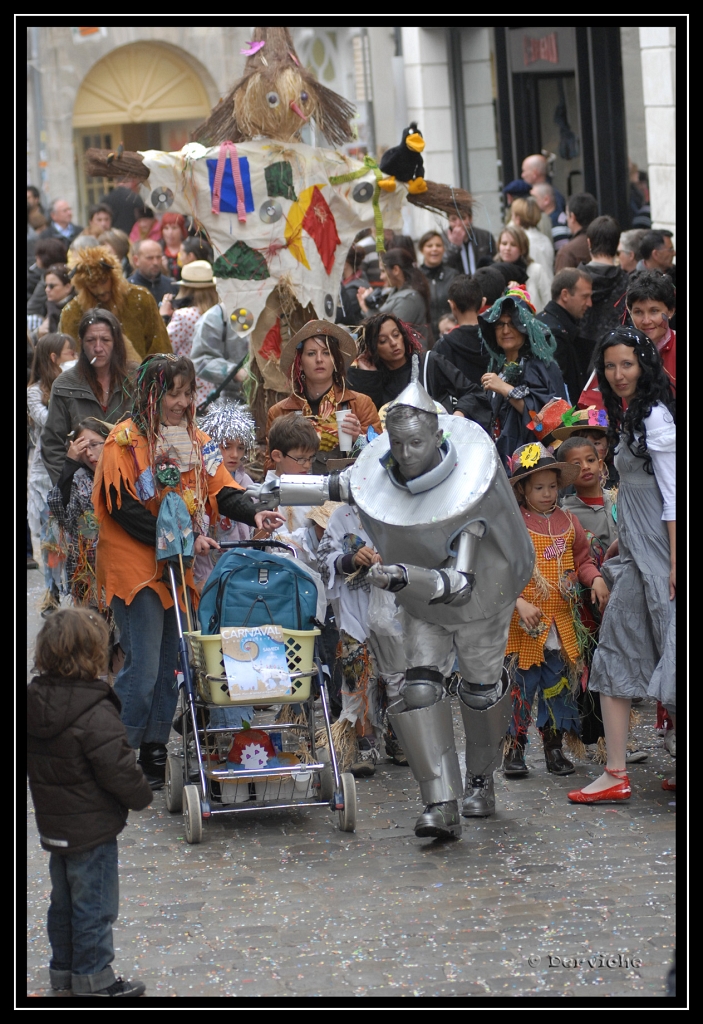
(593, 99)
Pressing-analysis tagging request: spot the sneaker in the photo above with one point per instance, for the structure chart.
(364, 765)
(636, 756)
(119, 987)
(670, 742)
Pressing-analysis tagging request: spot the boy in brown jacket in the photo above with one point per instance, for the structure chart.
(83, 778)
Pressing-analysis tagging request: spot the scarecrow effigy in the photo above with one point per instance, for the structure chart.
(280, 214)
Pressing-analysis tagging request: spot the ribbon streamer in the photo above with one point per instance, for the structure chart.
(230, 147)
(369, 164)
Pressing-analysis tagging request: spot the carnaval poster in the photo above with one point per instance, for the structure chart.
(255, 662)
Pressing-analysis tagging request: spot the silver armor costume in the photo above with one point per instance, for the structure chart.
(457, 555)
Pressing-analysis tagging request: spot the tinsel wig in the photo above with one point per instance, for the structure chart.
(93, 268)
(230, 421)
(539, 342)
(275, 97)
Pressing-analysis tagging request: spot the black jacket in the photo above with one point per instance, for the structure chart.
(573, 352)
(543, 383)
(438, 278)
(609, 290)
(349, 311)
(53, 232)
(464, 348)
(444, 382)
(483, 243)
(158, 288)
(83, 774)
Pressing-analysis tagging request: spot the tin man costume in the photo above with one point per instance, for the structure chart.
(435, 500)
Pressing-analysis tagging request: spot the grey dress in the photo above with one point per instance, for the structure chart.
(636, 651)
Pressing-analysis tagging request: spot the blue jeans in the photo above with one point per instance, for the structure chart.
(560, 711)
(231, 716)
(84, 904)
(146, 683)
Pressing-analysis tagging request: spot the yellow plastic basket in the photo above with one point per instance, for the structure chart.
(207, 657)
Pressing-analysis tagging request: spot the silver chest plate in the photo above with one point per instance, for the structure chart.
(418, 528)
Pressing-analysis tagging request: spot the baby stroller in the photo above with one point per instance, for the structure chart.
(197, 782)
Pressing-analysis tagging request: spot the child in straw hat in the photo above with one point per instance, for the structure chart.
(545, 638)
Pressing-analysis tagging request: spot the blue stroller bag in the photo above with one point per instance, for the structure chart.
(255, 588)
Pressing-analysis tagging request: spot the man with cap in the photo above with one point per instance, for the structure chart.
(519, 189)
(433, 497)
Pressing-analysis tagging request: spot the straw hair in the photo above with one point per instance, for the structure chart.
(246, 112)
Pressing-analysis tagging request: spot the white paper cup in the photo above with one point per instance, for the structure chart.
(345, 439)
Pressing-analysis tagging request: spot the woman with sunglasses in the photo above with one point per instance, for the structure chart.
(637, 645)
(522, 373)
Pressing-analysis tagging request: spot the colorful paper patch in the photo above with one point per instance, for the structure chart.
(279, 180)
(228, 193)
(271, 347)
(241, 262)
(320, 225)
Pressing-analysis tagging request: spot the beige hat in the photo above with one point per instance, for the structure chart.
(197, 274)
(320, 514)
(347, 344)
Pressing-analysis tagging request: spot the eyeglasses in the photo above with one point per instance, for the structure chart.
(49, 287)
(302, 460)
(95, 446)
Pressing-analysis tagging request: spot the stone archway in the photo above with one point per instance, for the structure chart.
(147, 95)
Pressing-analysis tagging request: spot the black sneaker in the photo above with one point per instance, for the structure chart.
(119, 987)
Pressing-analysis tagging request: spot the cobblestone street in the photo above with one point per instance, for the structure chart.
(282, 904)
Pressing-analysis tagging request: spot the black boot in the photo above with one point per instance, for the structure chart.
(557, 764)
(514, 761)
(440, 821)
(152, 758)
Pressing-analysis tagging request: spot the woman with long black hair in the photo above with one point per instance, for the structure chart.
(637, 646)
(384, 363)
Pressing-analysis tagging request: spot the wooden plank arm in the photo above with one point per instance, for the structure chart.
(109, 163)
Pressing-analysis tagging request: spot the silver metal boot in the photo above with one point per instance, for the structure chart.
(485, 729)
(427, 738)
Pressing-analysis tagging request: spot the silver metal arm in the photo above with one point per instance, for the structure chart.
(294, 489)
(315, 490)
(436, 586)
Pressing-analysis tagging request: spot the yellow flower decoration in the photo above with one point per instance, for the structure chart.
(530, 456)
(190, 501)
(122, 437)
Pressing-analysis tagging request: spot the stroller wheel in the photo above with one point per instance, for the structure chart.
(347, 816)
(192, 817)
(174, 784)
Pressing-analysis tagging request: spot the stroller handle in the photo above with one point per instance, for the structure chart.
(259, 545)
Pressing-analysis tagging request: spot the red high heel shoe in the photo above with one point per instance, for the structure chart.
(621, 791)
